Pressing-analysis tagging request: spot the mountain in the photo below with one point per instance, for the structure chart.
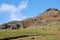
(50, 16)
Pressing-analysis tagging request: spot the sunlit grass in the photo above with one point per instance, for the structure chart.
(35, 30)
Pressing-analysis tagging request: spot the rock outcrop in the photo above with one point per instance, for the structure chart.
(48, 17)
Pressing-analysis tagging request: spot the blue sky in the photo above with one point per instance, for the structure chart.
(11, 10)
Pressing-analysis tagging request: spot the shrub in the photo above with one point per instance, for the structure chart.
(52, 9)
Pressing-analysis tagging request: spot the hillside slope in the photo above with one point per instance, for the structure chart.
(48, 17)
(32, 33)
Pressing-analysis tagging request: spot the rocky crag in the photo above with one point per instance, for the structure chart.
(48, 17)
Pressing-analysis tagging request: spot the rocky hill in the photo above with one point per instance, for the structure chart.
(48, 17)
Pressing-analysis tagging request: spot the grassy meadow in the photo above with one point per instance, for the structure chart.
(34, 33)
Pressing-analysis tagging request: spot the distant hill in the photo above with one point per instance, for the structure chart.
(48, 17)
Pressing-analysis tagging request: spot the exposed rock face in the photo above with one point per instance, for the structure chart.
(12, 25)
(48, 17)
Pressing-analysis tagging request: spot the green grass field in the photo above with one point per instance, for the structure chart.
(34, 33)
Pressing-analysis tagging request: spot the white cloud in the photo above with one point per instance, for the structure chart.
(15, 11)
(7, 7)
(22, 5)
